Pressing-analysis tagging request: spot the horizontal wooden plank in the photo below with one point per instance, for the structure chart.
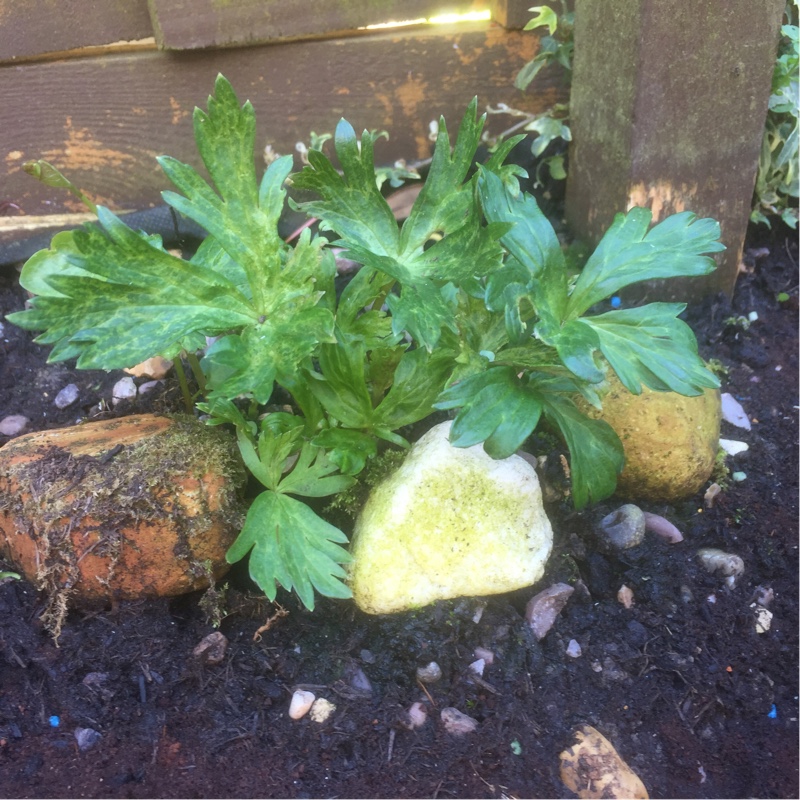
(30, 28)
(103, 121)
(189, 24)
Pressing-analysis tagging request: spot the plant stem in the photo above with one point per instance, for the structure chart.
(197, 371)
(187, 398)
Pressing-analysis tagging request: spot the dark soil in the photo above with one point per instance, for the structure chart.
(694, 699)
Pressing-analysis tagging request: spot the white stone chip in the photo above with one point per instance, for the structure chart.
(458, 723)
(732, 447)
(124, 389)
(301, 704)
(733, 412)
(321, 709)
(13, 425)
(574, 649)
(67, 396)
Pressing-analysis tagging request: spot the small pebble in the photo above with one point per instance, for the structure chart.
(212, 649)
(148, 387)
(156, 367)
(739, 476)
(430, 673)
(124, 389)
(67, 396)
(574, 649)
(367, 656)
(711, 495)
(321, 709)
(415, 717)
(623, 528)
(543, 608)
(86, 738)
(486, 655)
(301, 704)
(358, 681)
(732, 447)
(726, 564)
(625, 596)
(13, 425)
(763, 595)
(733, 412)
(763, 618)
(457, 723)
(477, 667)
(662, 527)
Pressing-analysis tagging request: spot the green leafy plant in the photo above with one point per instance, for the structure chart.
(468, 306)
(551, 125)
(777, 186)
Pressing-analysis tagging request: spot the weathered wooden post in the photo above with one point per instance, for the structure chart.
(667, 110)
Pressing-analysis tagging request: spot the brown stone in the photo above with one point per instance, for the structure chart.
(119, 509)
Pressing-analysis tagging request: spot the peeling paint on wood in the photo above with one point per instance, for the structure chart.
(104, 120)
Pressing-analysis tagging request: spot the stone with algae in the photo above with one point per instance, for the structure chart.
(450, 522)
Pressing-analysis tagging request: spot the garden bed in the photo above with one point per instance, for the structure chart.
(695, 700)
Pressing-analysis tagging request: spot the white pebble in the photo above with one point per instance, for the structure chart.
(574, 649)
(763, 618)
(417, 715)
(739, 476)
(733, 412)
(486, 655)
(67, 396)
(726, 564)
(13, 425)
(732, 447)
(625, 596)
(301, 704)
(149, 386)
(430, 673)
(124, 389)
(458, 723)
(477, 667)
(321, 709)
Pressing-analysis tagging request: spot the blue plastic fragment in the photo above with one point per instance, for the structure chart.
(616, 302)
(773, 712)
(54, 721)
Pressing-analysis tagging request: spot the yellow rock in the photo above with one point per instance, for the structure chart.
(592, 768)
(670, 441)
(451, 522)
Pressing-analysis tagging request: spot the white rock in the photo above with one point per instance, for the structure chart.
(733, 412)
(321, 709)
(417, 715)
(625, 596)
(148, 386)
(13, 425)
(301, 704)
(451, 522)
(477, 667)
(124, 389)
(67, 396)
(486, 655)
(728, 565)
(430, 673)
(574, 649)
(732, 447)
(457, 723)
(543, 608)
(763, 618)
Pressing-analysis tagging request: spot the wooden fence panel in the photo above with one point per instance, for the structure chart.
(31, 28)
(188, 24)
(104, 120)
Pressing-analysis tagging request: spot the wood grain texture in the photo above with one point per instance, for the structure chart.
(103, 121)
(31, 28)
(679, 127)
(189, 24)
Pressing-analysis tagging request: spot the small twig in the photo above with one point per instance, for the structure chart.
(427, 693)
(390, 748)
(280, 612)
